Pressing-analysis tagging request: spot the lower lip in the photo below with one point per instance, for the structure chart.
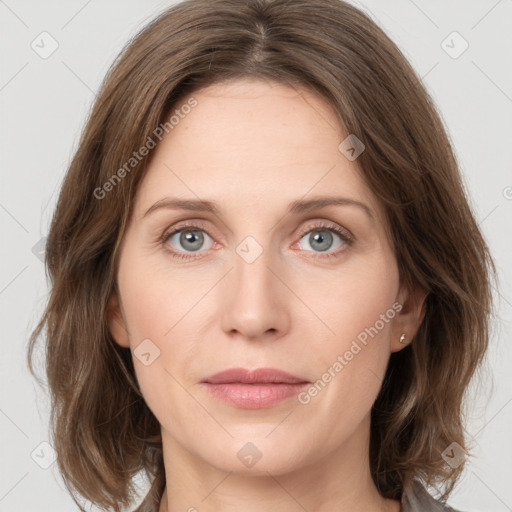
(254, 396)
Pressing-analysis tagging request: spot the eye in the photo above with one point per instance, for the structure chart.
(321, 238)
(184, 240)
(191, 238)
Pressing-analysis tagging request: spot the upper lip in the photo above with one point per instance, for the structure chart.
(257, 376)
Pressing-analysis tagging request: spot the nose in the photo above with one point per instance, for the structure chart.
(256, 299)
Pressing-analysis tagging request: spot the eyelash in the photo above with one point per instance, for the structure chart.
(345, 236)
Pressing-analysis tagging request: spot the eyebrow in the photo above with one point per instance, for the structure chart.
(295, 207)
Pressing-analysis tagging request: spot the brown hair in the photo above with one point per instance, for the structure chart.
(103, 431)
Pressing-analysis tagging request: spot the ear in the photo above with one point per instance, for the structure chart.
(410, 316)
(116, 322)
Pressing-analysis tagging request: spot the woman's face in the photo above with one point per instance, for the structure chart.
(260, 278)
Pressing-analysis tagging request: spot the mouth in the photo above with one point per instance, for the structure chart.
(257, 389)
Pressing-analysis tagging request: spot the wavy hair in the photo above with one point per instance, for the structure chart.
(102, 430)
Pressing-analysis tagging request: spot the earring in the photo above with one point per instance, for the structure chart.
(402, 338)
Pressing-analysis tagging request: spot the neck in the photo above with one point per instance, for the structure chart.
(339, 481)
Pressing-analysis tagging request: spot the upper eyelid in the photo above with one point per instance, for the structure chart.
(318, 224)
(322, 224)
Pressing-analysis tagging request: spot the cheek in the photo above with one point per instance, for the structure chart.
(159, 308)
(352, 356)
(156, 300)
(353, 300)
(168, 309)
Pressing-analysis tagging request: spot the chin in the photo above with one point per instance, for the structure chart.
(257, 456)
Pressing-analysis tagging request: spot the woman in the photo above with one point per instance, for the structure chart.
(268, 289)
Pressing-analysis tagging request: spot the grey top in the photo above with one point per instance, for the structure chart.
(417, 499)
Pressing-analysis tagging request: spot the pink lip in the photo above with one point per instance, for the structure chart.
(255, 389)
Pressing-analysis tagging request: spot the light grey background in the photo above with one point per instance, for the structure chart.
(43, 104)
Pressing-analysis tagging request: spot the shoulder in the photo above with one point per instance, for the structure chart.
(417, 499)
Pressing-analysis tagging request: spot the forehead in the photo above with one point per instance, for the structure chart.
(252, 141)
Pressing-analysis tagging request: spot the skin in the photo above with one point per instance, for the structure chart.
(253, 147)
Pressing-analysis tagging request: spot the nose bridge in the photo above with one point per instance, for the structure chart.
(252, 264)
(254, 301)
